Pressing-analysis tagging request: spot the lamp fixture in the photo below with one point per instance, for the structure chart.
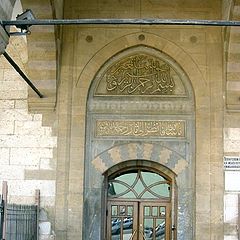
(27, 15)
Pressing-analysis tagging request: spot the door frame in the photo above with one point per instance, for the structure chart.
(152, 167)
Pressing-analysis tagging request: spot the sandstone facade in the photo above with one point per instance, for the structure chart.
(54, 143)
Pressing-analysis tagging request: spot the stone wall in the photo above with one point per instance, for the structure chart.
(27, 146)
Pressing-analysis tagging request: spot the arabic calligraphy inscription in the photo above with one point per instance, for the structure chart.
(132, 128)
(140, 74)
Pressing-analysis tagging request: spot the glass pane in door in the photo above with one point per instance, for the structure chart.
(155, 221)
(122, 228)
(123, 222)
(139, 184)
(160, 229)
(127, 228)
(148, 229)
(116, 228)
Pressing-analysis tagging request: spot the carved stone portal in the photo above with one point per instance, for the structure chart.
(140, 111)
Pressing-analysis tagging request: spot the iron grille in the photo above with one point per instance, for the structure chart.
(22, 222)
(1, 217)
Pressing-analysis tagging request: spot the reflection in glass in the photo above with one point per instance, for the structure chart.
(160, 229)
(116, 228)
(127, 228)
(114, 210)
(122, 210)
(148, 228)
(155, 211)
(130, 210)
(146, 211)
(124, 223)
(162, 211)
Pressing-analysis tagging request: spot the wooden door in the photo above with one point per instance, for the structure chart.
(154, 221)
(138, 220)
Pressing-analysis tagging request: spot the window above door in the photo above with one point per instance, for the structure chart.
(139, 184)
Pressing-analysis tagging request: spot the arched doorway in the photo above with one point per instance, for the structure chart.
(140, 107)
(139, 205)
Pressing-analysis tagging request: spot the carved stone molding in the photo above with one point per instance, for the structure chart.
(147, 107)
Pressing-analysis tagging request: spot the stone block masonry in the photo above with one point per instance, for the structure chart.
(26, 146)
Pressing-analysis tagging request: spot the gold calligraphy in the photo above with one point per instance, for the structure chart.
(132, 128)
(140, 75)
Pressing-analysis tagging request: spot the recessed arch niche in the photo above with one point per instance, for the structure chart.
(140, 106)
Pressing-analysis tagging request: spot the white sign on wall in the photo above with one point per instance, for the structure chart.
(232, 181)
(231, 163)
(232, 173)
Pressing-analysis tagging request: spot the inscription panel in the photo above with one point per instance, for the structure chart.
(136, 128)
(140, 74)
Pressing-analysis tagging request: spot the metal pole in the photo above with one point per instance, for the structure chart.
(17, 68)
(140, 21)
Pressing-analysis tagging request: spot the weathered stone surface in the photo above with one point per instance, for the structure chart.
(4, 39)
(26, 146)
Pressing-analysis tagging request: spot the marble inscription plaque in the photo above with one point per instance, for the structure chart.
(136, 128)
